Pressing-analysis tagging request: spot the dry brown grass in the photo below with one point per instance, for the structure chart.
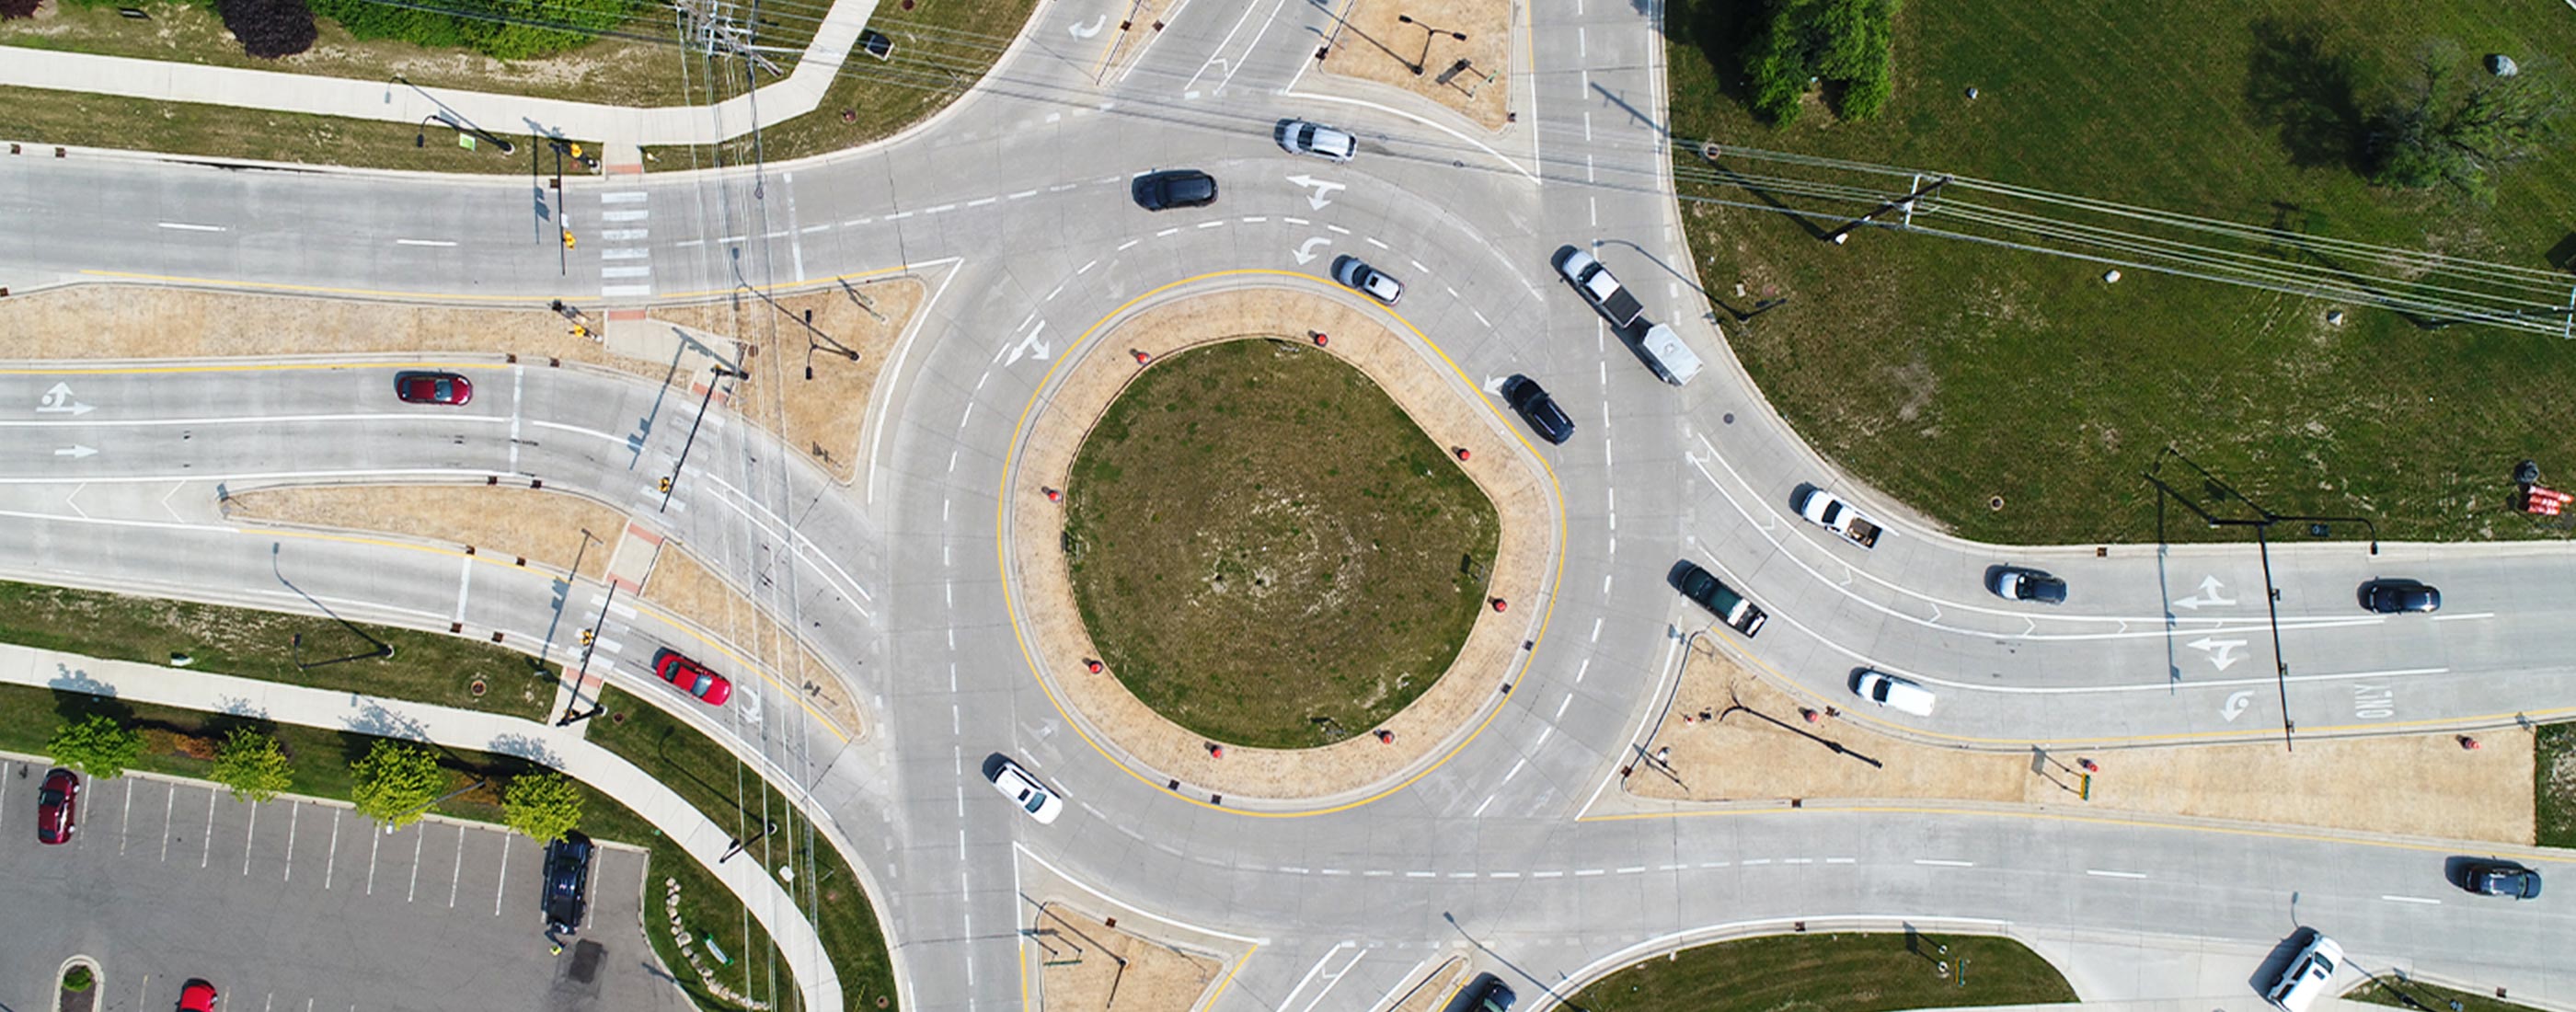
(1371, 44)
(1519, 490)
(544, 527)
(824, 416)
(1082, 970)
(2414, 784)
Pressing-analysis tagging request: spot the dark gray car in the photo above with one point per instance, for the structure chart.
(1538, 409)
(568, 882)
(1162, 191)
(2396, 597)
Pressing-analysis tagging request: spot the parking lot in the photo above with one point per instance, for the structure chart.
(301, 905)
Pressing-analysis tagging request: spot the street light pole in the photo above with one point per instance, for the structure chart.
(766, 827)
(457, 119)
(1428, 33)
(674, 480)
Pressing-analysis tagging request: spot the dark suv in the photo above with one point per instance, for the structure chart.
(568, 882)
(1538, 409)
(1162, 191)
(2397, 597)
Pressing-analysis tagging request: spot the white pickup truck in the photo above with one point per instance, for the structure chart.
(1823, 510)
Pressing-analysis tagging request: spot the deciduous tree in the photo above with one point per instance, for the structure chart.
(542, 805)
(252, 765)
(96, 745)
(395, 782)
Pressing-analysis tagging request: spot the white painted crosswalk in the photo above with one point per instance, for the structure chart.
(624, 271)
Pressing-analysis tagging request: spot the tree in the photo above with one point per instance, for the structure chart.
(269, 29)
(96, 745)
(395, 782)
(252, 765)
(1844, 43)
(2444, 132)
(542, 805)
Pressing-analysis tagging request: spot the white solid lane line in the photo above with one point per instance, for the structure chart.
(182, 226)
(2411, 899)
(424, 242)
(2099, 873)
(1942, 863)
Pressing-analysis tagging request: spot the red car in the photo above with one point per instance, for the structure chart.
(57, 806)
(432, 388)
(198, 996)
(692, 677)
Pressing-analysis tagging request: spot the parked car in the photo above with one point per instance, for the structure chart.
(1538, 409)
(2021, 583)
(1488, 993)
(433, 388)
(568, 882)
(692, 677)
(58, 807)
(1822, 509)
(1025, 791)
(1165, 190)
(1357, 275)
(197, 996)
(2307, 975)
(2397, 597)
(1303, 138)
(1720, 600)
(1892, 692)
(2500, 878)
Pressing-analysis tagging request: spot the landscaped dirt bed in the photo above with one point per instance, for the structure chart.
(1268, 551)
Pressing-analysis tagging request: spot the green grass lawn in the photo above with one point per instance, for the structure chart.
(2553, 794)
(940, 50)
(1946, 373)
(2428, 998)
(735, 797)
(1831, 973)
(1261, 540)
(425, 667)
(38, 117)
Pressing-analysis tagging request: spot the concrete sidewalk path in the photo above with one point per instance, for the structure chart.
(560, 748)
(400, 102)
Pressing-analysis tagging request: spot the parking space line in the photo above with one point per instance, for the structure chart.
(294, 812)
(168, 806)
(459, 875)
(250, 832)
(333, 860)
(209, 856)
(4, 790)
(417, 839)
(375, 842)
(126, 820)
(503, 885)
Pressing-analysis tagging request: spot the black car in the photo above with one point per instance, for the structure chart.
(1538, 409)
(2018, 583)
(568, 882)
(1721, 600)
(2393, 597)
(1162, 191)
(1490, 994)
(2500, 878)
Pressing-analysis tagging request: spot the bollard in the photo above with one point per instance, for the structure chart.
(2468, 743)
(1321, 339)
(1054, 495)
(1811, 715)
(1215, 751)
(1385, 737)
(1461, 452)
(1141, 357)
(1500, 604)
(1091, 664)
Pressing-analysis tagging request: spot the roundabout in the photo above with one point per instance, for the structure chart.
(1495, 506)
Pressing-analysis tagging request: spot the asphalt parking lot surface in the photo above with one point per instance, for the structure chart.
(304, 906)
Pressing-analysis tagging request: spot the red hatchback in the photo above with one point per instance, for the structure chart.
(57, 806)
(432, 388)
(692, 677)
(198, 996)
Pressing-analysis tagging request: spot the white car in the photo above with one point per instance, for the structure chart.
(1303, 138)
(1025, 791)
(1367, 280)
(1892, 692)
(2307, 975)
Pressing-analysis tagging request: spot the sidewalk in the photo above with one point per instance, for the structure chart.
(561, 748)
(392, 101)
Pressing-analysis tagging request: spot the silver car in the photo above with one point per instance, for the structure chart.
(1303, 138)
(1367, 280)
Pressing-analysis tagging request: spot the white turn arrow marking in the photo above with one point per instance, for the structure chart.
(75, 451)
(2208, 595)
(58, 400)
(1494, 385)
(1030, 346)
(2221, 652)
(1323, 190)
(2235, 706)
(1306, 250)
(1084, 32)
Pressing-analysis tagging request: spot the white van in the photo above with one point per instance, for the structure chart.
(1672, 360)
(2307, 975)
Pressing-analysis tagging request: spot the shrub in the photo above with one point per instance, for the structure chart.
(1843, 42)
(77, 979)
(501, 29)
(11, 10)
(269, 29)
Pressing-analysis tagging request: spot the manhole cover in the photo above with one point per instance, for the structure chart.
(585, 962)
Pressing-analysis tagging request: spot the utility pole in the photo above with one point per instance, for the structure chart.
(674, 480)
(589, 644)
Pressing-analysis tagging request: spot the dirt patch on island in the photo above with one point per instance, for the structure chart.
(1415, 46)
(1734, 736)
(547, 528)
(1088, 966)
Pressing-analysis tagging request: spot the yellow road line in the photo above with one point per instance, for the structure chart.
(1001, 514)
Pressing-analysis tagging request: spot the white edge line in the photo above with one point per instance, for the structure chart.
(1105, 898)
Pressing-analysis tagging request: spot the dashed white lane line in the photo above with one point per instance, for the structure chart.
(898, 216)
(2412, 899)
(1337, 230)
(1061, 187)
(1670, 867)
(983, 201)
(1480, 809)
(1373, 241)
(1507, 874)
(1024, 195)
(1547, 874)
(1333, 871)
(1935, 862)
(1516, 770)
(1295, 871)
(1579, 669)
(1294, 221)
(1421, 874)
(940, 208)
(1632, 869)
(181, 226)
(1480, 317)
(1561, 705)
(1375, 874)
(2099, 873)
(1417, 265)
(1797, 860)
(1589, 872)
(1085, 268)
(1755, 862)
(424, 242)
(811, 229)
(1256, 219)
(1596, 630)
(1842, 860)
(1174, 230)
(1462, 874)
(1219, 223)
(1122, 247)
